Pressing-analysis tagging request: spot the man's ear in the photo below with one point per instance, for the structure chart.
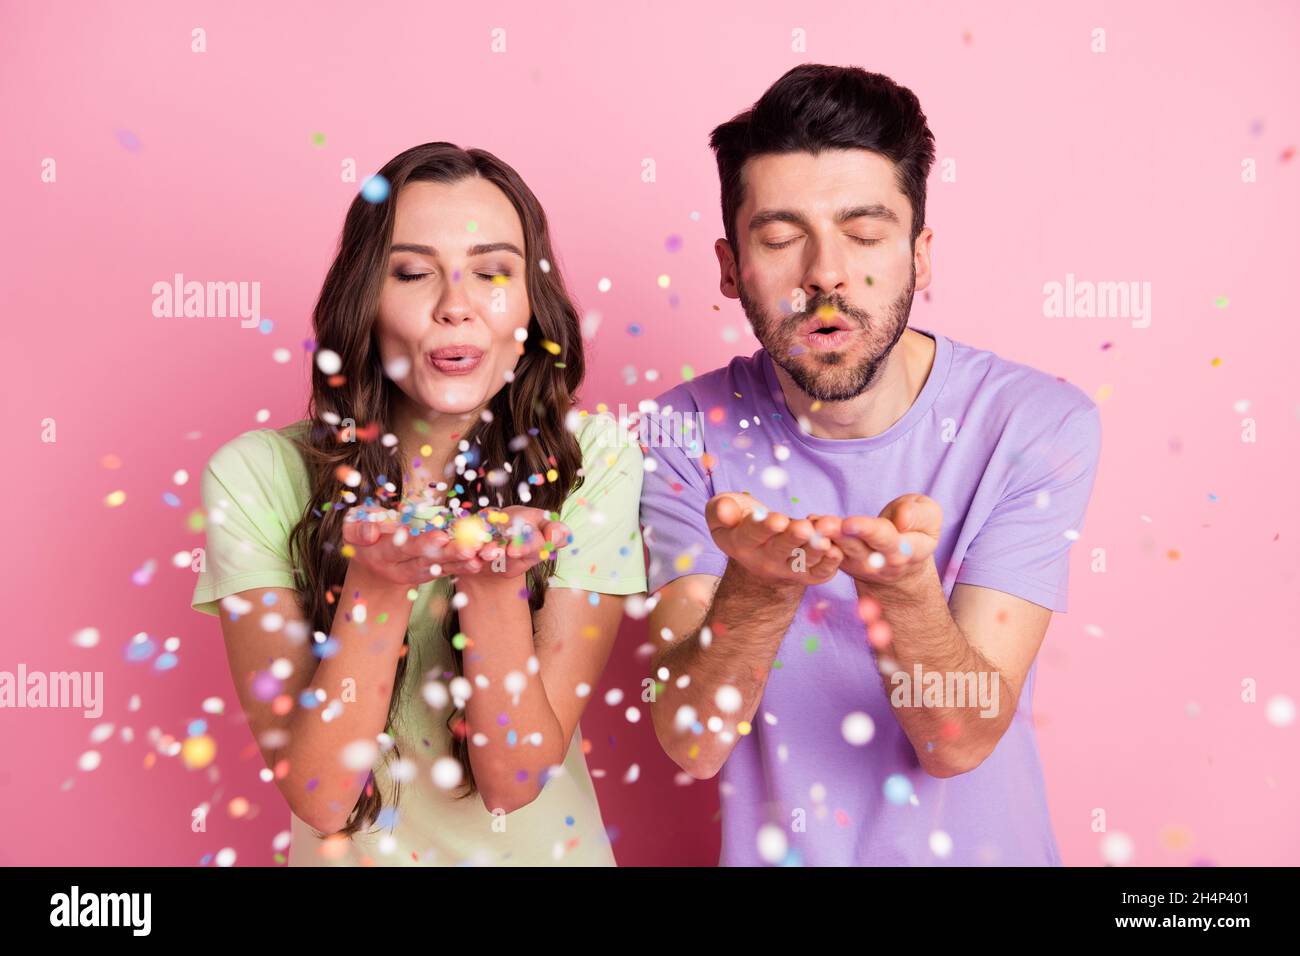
(921, 258)
(727, 268)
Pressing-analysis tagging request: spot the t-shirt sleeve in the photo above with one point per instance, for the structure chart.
(1023, 548)
(605, 554)
(247, 533)
(677, 489)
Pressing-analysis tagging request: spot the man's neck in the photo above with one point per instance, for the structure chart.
(874, 411)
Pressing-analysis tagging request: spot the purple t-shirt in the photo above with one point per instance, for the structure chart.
(1010, 454)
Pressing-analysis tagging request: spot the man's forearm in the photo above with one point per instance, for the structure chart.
(746, 623)
(947, 739)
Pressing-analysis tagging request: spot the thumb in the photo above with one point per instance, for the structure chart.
(724, 511)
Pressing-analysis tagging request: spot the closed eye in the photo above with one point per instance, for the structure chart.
(858, 239)
(416, 276)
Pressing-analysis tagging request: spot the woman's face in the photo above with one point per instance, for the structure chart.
(454, 284)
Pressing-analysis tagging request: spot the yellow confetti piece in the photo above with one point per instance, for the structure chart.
(1216, 362)
(552, 474)
(683, 562)
(115, 498)
(197, 752)
(471, 531)
(1104, 392)
(744, 728)
(499, 279)
(426, 451)
(552, 347)
(347, 550)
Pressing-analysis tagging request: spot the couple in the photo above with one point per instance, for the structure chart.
(853, 558)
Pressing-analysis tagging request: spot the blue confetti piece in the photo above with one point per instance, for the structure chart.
(375, 189)
(141, 650)
(898, 789)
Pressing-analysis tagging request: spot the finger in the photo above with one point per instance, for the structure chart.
(915, 512)
(879, 534)
(825, 526)
(828, 561)
(360, 533)
(723, 511)
(757, 534)
(556, 534)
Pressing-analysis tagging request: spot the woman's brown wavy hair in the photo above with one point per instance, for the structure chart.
(526, 427)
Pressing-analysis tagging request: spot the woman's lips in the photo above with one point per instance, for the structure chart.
(827, 341)
(456, 361)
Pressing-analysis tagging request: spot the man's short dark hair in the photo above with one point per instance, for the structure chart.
(814, 107)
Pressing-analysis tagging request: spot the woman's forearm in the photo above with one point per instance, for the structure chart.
(357, 684)
(521, 736)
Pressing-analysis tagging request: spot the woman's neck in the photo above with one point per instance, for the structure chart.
(427, 443)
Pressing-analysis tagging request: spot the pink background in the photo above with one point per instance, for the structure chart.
(1122, 166)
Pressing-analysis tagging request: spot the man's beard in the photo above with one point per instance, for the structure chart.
(829, 376)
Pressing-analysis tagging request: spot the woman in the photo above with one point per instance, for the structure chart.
(416, 696)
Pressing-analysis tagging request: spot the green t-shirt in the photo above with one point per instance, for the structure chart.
(255, 489)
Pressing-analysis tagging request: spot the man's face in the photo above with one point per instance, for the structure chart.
(824, 243)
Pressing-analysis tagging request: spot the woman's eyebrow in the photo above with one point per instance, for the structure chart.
(479, 250)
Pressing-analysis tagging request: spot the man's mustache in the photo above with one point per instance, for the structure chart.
(850, 314)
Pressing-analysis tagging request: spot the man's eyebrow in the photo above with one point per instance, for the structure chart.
(871, 211)
(479, 250)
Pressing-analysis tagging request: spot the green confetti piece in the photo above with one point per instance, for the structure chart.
(459, 641)
(811, 645)
(688, 373)
(318, 139)
(196, 521)
(1221, 302)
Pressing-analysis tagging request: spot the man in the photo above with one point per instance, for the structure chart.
(855, 555)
